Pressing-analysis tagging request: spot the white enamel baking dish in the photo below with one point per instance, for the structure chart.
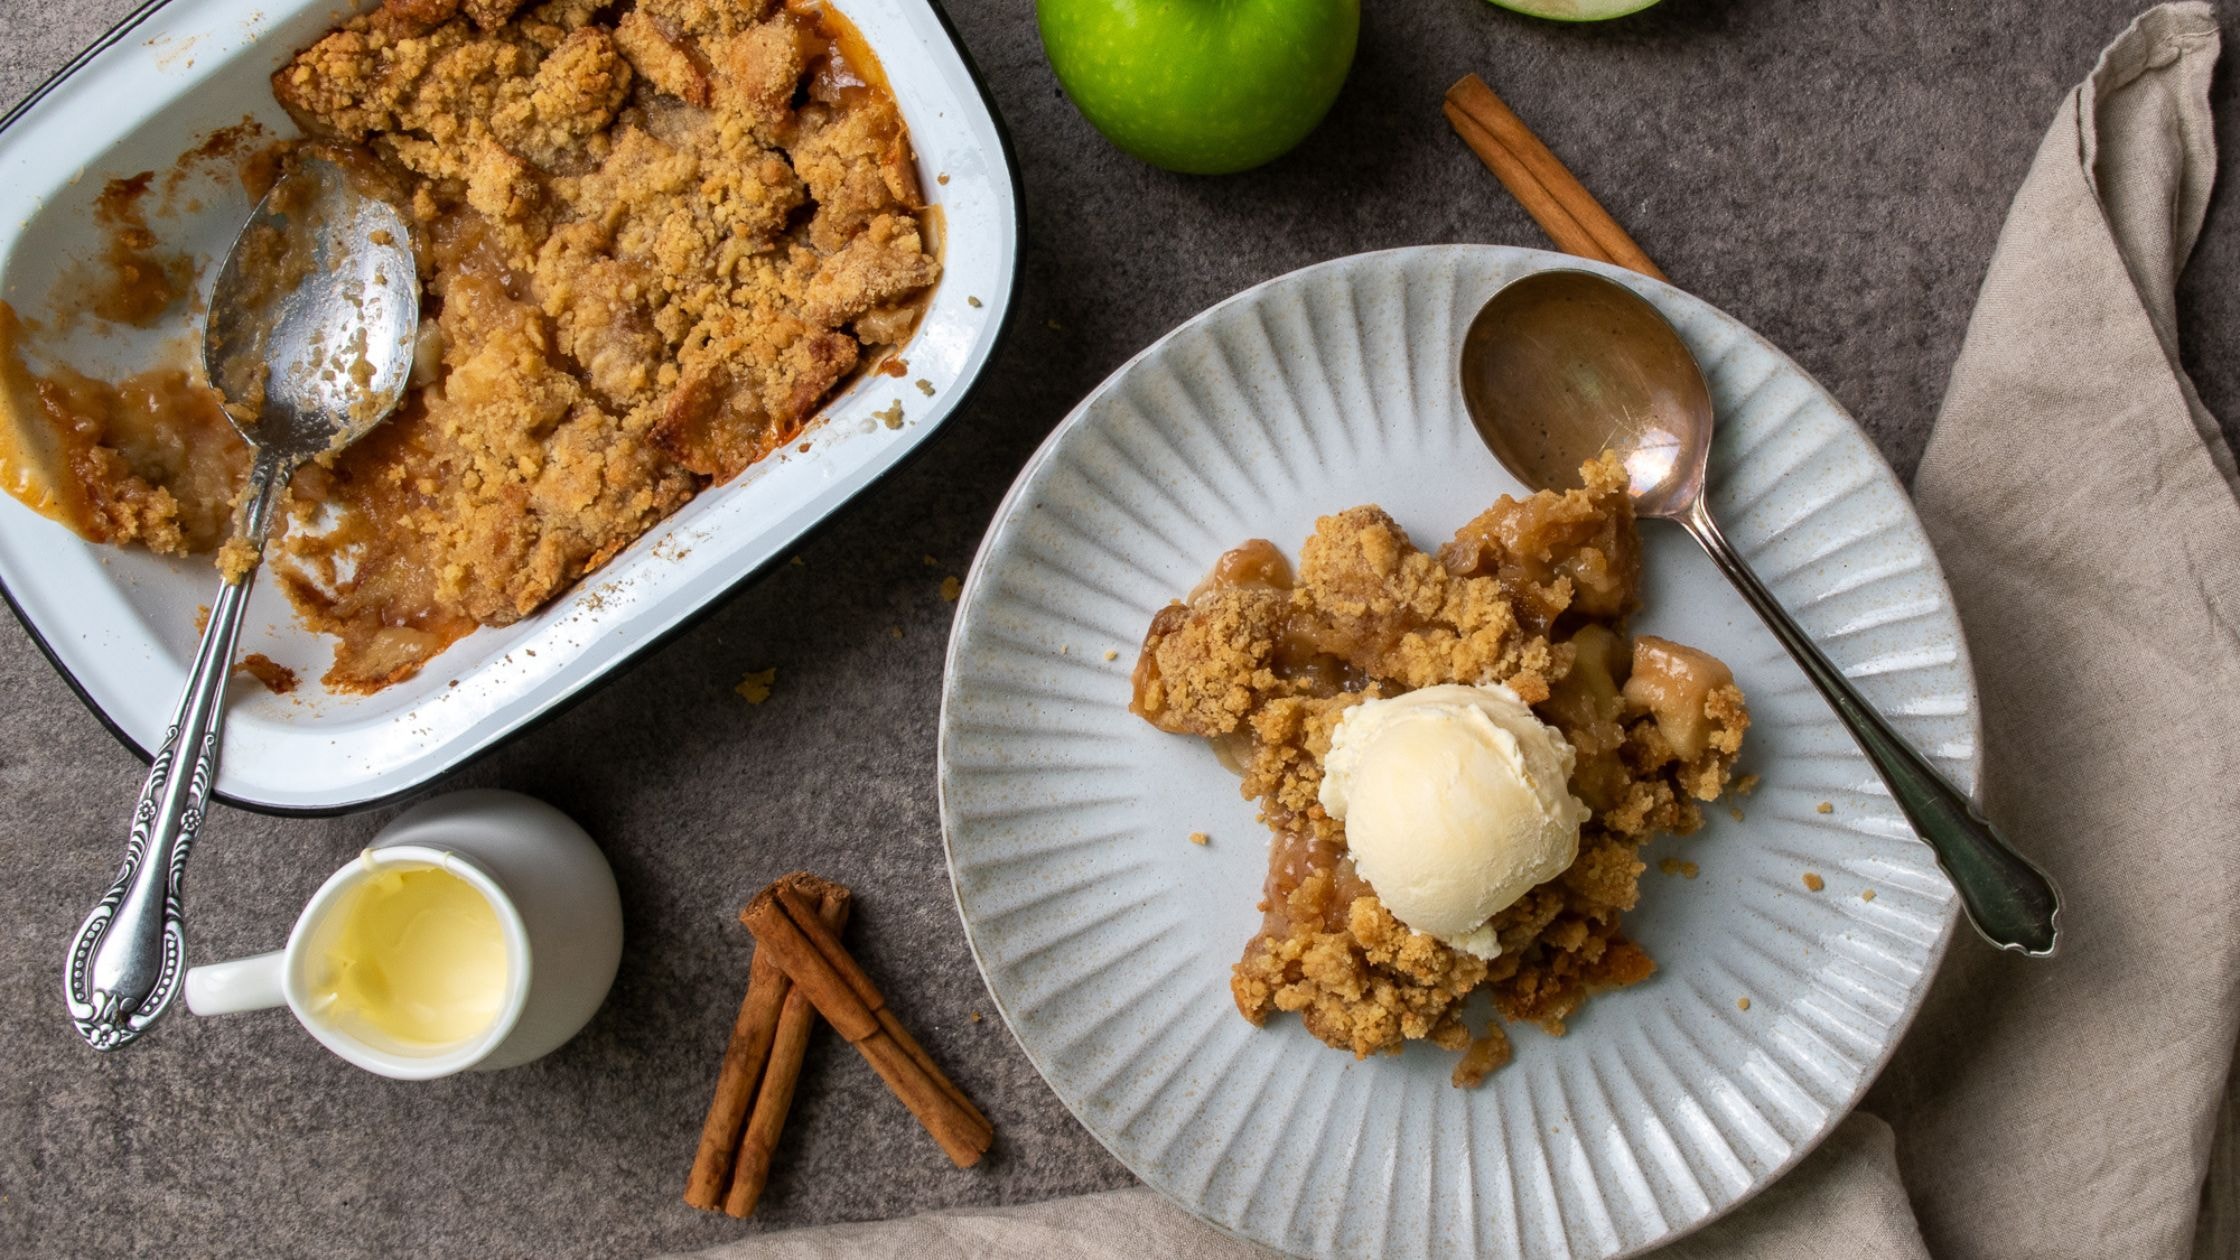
(120, 624)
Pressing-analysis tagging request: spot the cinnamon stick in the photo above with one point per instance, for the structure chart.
(828, 945)
(814, 959)
(767, 1122)
(743, 1059)
(1564, 230)
(1539, 180)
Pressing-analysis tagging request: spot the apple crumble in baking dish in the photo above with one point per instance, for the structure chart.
(652, 240)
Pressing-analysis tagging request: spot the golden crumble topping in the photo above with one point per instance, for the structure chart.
(651, 243)
(1531, 594)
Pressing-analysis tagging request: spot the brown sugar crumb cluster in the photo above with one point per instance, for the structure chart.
(1531, 594)
(652, 237)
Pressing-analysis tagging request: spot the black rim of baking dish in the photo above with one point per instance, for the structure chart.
(622, 664)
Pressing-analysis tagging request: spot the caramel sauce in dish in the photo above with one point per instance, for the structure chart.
(135, 282)
(652, 243)
(149, 460)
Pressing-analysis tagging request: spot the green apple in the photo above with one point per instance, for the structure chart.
(1203, 86)
(1576, 10)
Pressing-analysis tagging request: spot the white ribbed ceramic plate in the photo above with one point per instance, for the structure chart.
(1106, 936)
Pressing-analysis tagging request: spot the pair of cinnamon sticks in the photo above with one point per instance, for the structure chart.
(801, 971)
(1539, 180)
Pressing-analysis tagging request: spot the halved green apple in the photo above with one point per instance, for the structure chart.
(1576, 10)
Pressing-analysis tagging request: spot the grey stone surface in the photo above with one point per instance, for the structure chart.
(1832, 171)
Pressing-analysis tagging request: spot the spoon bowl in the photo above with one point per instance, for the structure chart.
(1563, 365)
(314, 314)
(309, 344)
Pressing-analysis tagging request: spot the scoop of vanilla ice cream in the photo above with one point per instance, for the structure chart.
(1456, 802)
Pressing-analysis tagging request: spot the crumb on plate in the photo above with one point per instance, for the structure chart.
(277, 678)
(1485, 1055)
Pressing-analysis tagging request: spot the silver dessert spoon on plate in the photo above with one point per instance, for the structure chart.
(309, 343)
(1562, 365)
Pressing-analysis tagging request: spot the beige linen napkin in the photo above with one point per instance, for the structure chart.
(2079, 497)
(2081, 500)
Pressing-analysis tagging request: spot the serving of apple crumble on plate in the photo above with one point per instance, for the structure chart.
(1119, 953)
(1532, 595)
(653, 237)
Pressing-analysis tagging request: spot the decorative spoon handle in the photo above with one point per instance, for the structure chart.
(129, 957)
(2009, 900)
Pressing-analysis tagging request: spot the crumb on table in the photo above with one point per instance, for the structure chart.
(929, 562)
(951, 588)
(1813, 881)
(976, 1017)
(755, 687)
(894, 632)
